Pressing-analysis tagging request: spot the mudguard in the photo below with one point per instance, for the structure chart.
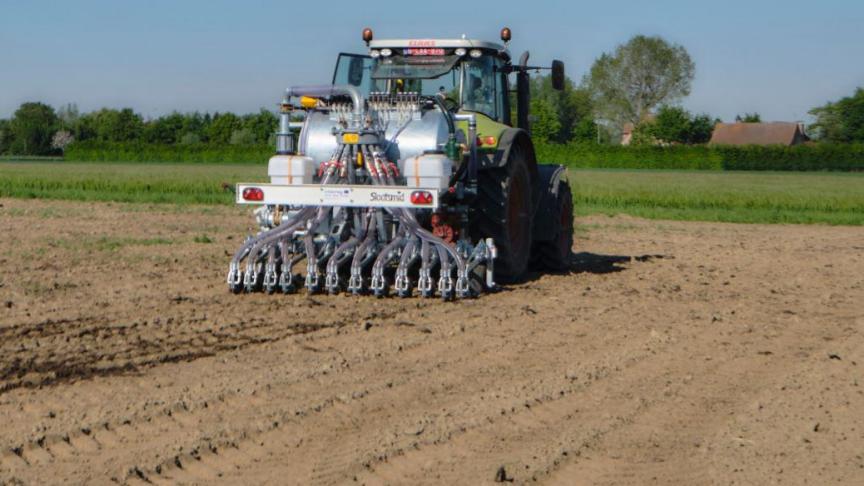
(546, 226)
(498, 159)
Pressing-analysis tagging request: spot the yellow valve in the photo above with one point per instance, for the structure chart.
(359, 159)
(308, 102)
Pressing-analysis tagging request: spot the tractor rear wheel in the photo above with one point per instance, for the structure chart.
(503, 213)
(555, 254)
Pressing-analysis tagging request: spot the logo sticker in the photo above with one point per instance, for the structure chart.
(335, 195)
(421, 43)
(397, 196)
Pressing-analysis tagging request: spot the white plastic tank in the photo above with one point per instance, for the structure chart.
(291, 170)
(432, 170)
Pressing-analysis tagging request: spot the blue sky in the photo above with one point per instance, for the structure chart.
(778, 58)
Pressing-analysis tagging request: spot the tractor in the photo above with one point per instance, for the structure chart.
(408, 175)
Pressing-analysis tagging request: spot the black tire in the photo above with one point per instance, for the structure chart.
(555, 254)
(503, 213)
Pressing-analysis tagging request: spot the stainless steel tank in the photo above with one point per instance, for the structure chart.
(417, 136)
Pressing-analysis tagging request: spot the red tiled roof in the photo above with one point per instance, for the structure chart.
(776, 133)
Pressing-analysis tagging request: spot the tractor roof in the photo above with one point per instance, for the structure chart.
(443, 43)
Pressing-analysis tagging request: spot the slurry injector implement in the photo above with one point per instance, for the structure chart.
(406, 175)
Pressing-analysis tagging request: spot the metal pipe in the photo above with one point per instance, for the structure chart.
(284, 137)
(332, 275)
(407, 260)
(473, 159)
(384, 257)
(320, 91)
(309, 245)
(424, 282)
(355, 282)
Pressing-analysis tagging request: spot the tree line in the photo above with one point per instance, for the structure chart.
(38, 129)
(638, 87)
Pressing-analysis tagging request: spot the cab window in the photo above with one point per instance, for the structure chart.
(482, 84)
(355, 69)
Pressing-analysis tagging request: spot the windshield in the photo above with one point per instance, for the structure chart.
(413, 67)
(482, 90)
(427, 75)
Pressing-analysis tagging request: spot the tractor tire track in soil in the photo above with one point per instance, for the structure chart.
(677, 353)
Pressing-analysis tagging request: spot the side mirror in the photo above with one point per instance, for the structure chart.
(557, 75)
(355, 71)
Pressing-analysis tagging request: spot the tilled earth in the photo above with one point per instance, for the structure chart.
(672, 353)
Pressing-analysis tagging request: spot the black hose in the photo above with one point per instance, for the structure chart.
(451, 126)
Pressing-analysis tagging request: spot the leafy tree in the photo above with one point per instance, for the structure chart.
(672, 124)
(261, 124)
(165, 129)
(69, 116)
(190, 139)
(572, 105)
(193, 124)
(31, 129)
(701, 128)
(675, 125)
(544, 120)
(587, 131)
(5, 136)
(640, 75)
(841, 121)
(749, 118)
(223, 127)
(244, 136)
(110, 125)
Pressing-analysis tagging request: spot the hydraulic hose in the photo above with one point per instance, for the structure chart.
(451, 126)
(333, 263)
(355, 282)
(383, 256)
(409, 220)
(308, 243)
(284, 229)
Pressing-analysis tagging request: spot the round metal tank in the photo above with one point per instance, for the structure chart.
(418, 136)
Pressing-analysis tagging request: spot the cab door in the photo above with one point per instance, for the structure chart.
(354, 70)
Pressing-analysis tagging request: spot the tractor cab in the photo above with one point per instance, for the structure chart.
(468, 75)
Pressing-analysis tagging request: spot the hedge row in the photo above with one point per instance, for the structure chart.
(803, 157)
(143, 152)
(834, 157)
(30, 158)
(635, 157)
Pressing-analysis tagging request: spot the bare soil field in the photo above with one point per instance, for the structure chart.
(672, 353)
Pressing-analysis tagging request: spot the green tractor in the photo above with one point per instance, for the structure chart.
(408, 166)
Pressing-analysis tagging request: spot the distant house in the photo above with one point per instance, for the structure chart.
(628, 129)
(776, 133)
(627, 134)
